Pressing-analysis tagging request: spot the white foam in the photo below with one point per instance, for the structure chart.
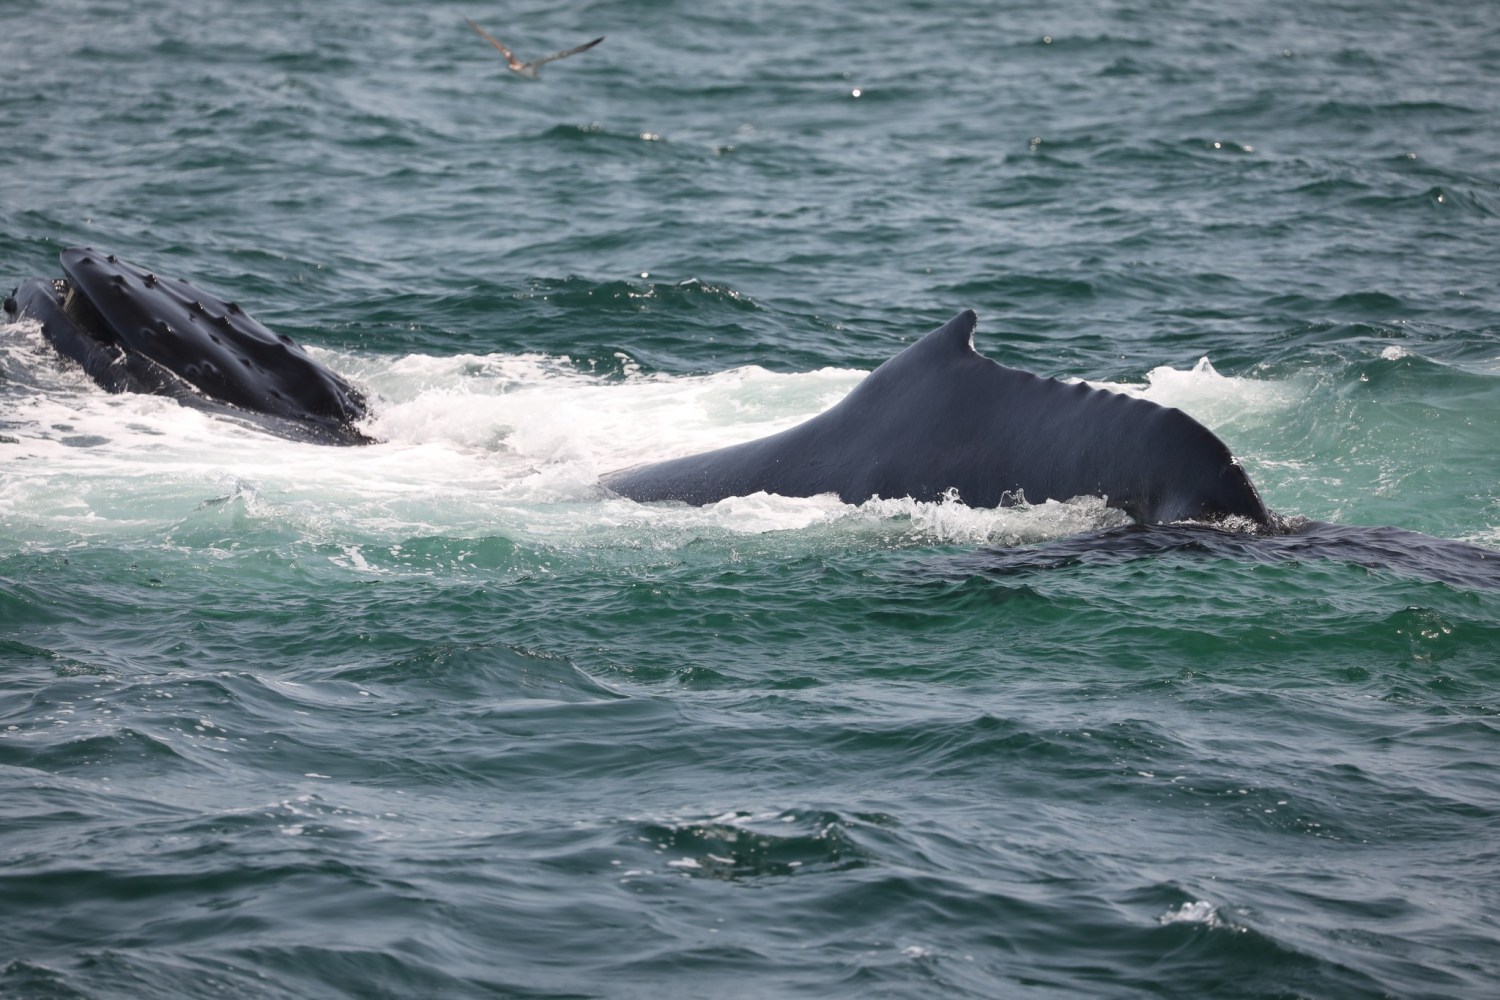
(1196, 912)
(1213, 399)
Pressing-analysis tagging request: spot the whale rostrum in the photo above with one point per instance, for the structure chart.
(134, 331)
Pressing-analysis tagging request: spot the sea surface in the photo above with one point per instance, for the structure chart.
(439, 718)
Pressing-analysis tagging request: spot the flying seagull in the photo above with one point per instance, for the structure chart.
(529, 69)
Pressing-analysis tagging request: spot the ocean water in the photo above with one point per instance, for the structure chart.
(437, 717)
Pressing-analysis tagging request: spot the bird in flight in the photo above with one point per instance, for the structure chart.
(532, 68)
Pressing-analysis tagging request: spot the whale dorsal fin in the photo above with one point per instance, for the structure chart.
(951, 343)
(957, 335)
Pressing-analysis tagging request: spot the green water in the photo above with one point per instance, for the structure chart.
(437, 717)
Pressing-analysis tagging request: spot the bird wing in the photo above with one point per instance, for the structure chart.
(510, 57)
(566, 52)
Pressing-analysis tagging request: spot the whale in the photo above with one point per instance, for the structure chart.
(939, 421)
(936, 422)
(134, 331)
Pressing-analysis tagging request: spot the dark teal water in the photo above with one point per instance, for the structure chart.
(438, 718)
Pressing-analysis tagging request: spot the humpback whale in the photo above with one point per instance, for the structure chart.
(133, 331)
(940, 420)
(936, 421)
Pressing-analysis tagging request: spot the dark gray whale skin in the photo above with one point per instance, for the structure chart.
(133, 331)
(938, 417)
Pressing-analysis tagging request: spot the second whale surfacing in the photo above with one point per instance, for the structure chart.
(940, 421)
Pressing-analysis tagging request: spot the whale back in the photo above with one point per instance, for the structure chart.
(940, 419)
